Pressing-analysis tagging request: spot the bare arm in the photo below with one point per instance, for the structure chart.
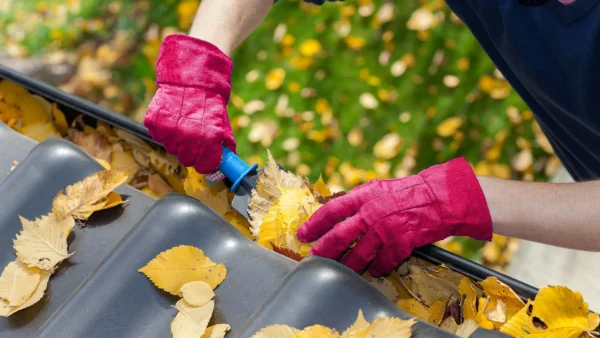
(226, 23)
(565, 215)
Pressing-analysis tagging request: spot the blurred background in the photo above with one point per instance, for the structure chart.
(351, 91)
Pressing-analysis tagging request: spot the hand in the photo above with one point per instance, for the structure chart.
(392, 217)
(188, 113)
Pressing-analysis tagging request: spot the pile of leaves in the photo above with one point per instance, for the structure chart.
(42, 243)
(380, 328)
(185, 271)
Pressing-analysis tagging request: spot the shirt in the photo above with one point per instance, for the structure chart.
(550, 55)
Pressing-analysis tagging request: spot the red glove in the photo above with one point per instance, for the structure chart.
(392, 217)
(188, 113)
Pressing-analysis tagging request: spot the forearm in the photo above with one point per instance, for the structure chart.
(226, 23)
(566, 215)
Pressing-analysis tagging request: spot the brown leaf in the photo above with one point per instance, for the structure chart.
(287, 252)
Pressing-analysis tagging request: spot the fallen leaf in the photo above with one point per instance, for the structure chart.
(7, 310)
(18, 282)
(112, 200)
(59, 119)
(414, 307)
(449, 324)
(497, 313)
(276, 331)
(384, 286)
(387, 328)
(11, 92)
(317, 331)
(322, 188)
(162, 161)
(158, 185)
(43, 242)
(388, 147)
(287, 253)
(94, 143)
(494, 288)
(197, 293)
(437, 311)
(480, 318)
(82, 199)
(216, 331)
(191, 321)
(430, 288)
(467, 328)
(449, 126)
(124, 161)
(172, 269)
(40, 131)
(359, 324)
(215, 197)
(33, 111)
(466, 290)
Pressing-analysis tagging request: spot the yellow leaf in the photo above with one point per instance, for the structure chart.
(276, 331)
(197, 293)
(322, 188)
(150, 192)
(449, 126)
(466, 289)
(7, 310)
(497, 313)
(172, 269)
(157, 185)
(239, 222)
(161, 161)
(121, 160)
(103, 163)
(82, 199)
(495, 289)
(360, 324)
(274, 78)
(12, 93)
(216, 331)
(480, 318)
(18, 282)
(191, 321)
(466, 328)
(430, 288)
(310, 47)
(449, 324)
(317, 331)
(33, 111)
(39, 132)
(59, 119)
(112, 200)
(385, 287)
(388, 328)
(414, 307)
(93, 143)
(437, 311)
(43, 242)
(195, 185)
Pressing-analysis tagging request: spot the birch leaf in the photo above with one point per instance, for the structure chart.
(82, 199)
(191, 321)
(43, 242)
(276, 331)
(216, 331)
(466, 329)
(18, 282)
(359, 324)
(388, 328)
(7, 310)
(197, 293)
(172, 269)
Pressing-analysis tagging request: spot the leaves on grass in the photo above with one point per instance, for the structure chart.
(172, 269)
(191, 321)
(82, 199)
(43, 242)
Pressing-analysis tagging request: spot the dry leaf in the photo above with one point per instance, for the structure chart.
(467, 328)
(172, 269)
(483, 306)
(112, 200)
(495, 289)
(322, 188)
(124, 161)
(497, 313)
(84, 198)
(215, 197)
(197, 293)
(449, 324)
(191, 321)
(317, 331)
(163, 161)
(430, 288)
(287, 253)
(276, 331)
(359, 324)
(94, 143)
(414, 307)
(43, 242)
(18, 282)
(216, 331)
(158, 185)
(7, 310)
(437, 311)
(466, 289)
(387, 328)
(384, 285)
(39, 131)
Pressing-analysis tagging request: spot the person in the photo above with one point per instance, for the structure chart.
(549, 51)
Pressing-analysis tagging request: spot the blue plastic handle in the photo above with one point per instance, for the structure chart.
(234, 168)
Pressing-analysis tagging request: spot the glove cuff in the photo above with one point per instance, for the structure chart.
(460, 198)
(190, 62)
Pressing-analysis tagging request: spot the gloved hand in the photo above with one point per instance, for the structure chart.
(392, 217)
(188, 113)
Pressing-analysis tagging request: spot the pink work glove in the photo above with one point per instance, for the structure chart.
(188, 113)
(392, 217)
